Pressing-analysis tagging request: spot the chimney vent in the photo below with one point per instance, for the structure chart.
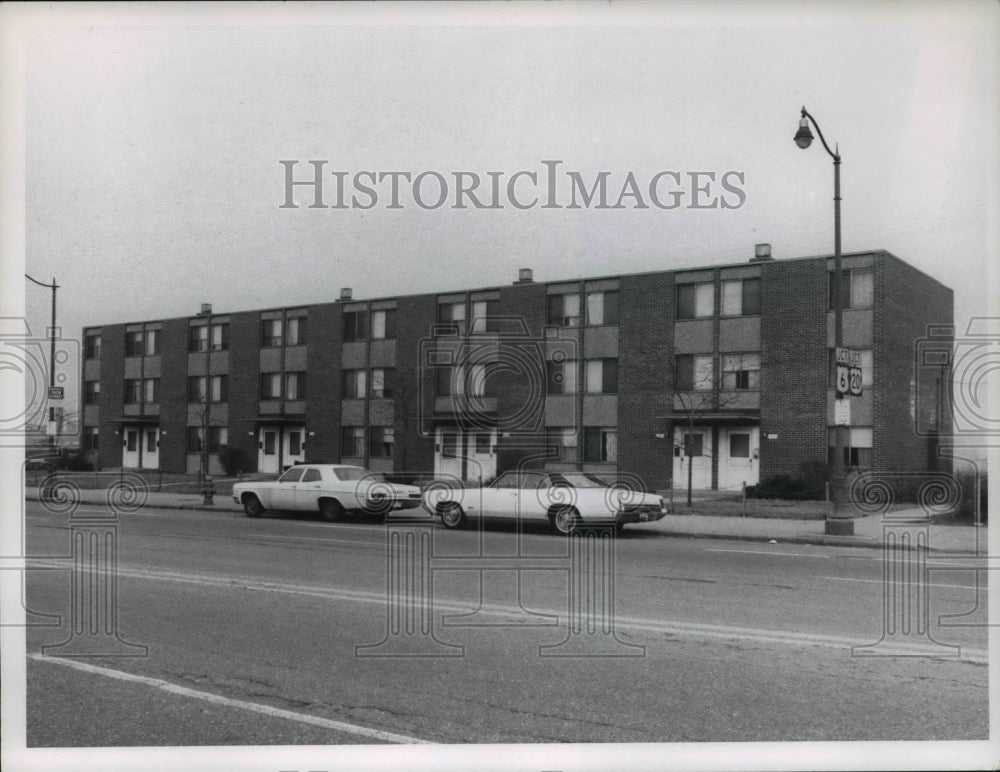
(346, 293)
(761, 252)
(206, 309)
(525, 276)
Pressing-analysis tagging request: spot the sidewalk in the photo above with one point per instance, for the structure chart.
(868, 531)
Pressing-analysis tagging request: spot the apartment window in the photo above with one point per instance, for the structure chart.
(484, 443)
(218, 438)
(563, 442)
(151, 390)
(602, 308)
(219, 388)
(91, 438)
(600, 444)
(296, 331)
(867, 367)
(133, 391)
(355, 325)
(857, 288)
(152, 441)
(561, 377)
(382, 378)
(564, 310)
(482, 382)
(270, 385)
(194, 435)
(452, 317)
(741, 372)
(92, 346)
(220, 336)
(152, 342)
(695, 301)
(485, 316)
(384, 324)
(858, 449)
(92, 392)
(739, 445)
(693, 372)
(196, 389)
(133, 344)
(271, 332)
(381, 441)
(690, 445)
(295, 386)
(355, 384)
(449, 381)
(352, 441)
(198, 338)
(602, 376)
(449, 445)
(741, 297)
(295, 449)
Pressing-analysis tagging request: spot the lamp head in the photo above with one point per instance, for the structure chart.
(803, 137)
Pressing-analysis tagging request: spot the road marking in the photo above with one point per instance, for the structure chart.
(267, 710)
(764, 552)
(882, 581)
(311, 540)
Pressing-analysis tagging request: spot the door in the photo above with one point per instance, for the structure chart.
(130, 450)
(693, 455)
(448, 461)
(284, 491)
(151, 447)
(738, 457)
(482, 460)
(308, 489)
(267, 455)
(294, 447)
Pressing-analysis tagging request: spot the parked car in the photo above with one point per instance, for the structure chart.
(333, 490)
(567, 500)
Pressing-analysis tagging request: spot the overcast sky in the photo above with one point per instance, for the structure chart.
(152, 147)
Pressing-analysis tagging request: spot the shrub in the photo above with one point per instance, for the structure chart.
(233, 460)
(74, 461)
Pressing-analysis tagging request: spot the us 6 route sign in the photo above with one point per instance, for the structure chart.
(848, 373)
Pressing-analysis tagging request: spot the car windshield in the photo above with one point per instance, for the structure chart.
(348, 473)
(577, 480)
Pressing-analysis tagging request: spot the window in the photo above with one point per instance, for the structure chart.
(152, 342)
(867, 367)
(131, 441)
(690, 445)
(449, 445)
(93, 346)
(484, 316)
(295, 447)
(311, 475)
(694, 372)
(602, 308)
(561, 377)
(92, 393)
(355, 384)
(292, 475)
(91, 438)
(295, 386)
(151, 390)
(449, 381)
(484, 443)
(741, 297)
(384, 324)
(602, 376)
(270, 385)
(296, 331)
(218, 437)
(152, 440)
(857, 289)
(270, 332)
(382, 378)
(198, 338)
(194, 435)
(133, 391)
(563, 442)
(739, 445)
(355, 325)
(858, 449)
(220, 336)
(352, 441)
(741, 372)
(695, 301)
(564, 310)
(381, 440)
(600, 444)
(196, 388)
(219, 388)
(481, 381)
(133, 344)
(452, 317)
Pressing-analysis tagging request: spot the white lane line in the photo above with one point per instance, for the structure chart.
(881, 581)
(765, 552)
(267, 710)
(315, 540)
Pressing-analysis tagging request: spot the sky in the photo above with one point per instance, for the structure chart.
(152, 144)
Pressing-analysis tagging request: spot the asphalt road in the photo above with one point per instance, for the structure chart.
(252, 628)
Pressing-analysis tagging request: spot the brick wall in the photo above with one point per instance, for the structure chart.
(112, 394)
(414, 449)
(323, 384)
(244, 376)
(173, 395)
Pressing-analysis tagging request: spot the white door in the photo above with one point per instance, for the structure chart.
(294, 446)
(151, 447)
(448, 452)
(130, 447)
(482, 461)
(267, 454)
(693, 455)
(738, 457)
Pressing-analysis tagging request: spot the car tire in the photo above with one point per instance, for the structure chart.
(252, 506)
(452, 516)
(331, 510)
(565, 520)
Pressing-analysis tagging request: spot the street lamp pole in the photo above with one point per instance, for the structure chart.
(839, 522)
(52, 345)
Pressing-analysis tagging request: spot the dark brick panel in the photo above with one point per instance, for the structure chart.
(112, 394)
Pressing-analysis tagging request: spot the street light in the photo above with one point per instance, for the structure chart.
(839, 522)
(52, 344)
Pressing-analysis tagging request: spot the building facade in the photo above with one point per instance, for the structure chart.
(720, 376)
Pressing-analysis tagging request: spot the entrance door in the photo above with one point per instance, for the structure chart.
(482, 463)
(131, 448)
(693, 448)
(151, 447)
(448, 455)
(294, 446)
(738, 454)
(267, 455)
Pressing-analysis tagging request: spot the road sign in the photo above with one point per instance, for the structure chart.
(848, 373)
(55, 392)
(842, 412)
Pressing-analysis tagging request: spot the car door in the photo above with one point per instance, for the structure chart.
(497, 500)
(308, 489)
(283, 492)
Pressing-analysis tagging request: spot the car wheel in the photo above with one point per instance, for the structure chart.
(331, 510)
(452, 516)
(565, 521)
(252, 506)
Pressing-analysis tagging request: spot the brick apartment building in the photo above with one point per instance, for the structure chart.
(726, 368)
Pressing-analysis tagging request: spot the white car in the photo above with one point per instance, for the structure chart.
(330, 489)
(567, 500)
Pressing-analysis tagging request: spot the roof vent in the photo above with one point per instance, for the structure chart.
(761, 252)
(346, 293)
(525, 276)
(206, 309)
